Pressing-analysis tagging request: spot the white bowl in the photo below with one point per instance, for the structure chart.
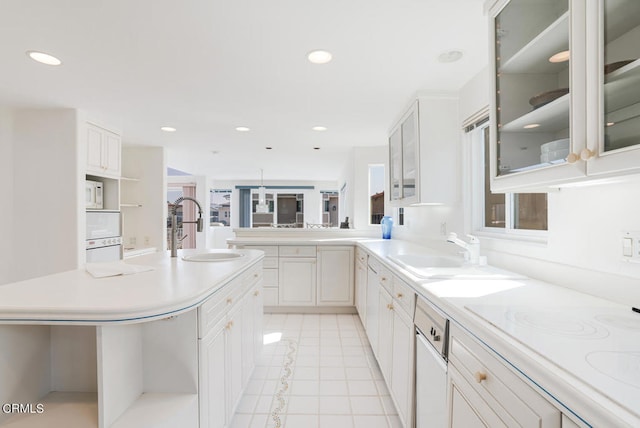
(556, 145)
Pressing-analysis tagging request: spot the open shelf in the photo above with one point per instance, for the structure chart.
(158, 410)
(61, 409)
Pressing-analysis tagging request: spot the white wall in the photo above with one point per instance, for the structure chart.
(6, 192)
(44, 204)
(144, 226)
(356, 177)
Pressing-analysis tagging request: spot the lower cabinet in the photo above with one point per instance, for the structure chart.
(335, 276)
(231, 340)
(307, 275)
(361, 287)
(213, 369)
(483, 392)
(396, 353)
(297, 281)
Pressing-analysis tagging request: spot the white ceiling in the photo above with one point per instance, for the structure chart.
(207, 66)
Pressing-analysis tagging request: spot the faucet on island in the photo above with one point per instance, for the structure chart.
(472, 247)
(174, 222)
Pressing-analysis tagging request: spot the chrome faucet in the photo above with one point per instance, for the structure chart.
(174, 222)
(472, 247)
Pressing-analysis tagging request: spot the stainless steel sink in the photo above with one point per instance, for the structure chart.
(218, 256)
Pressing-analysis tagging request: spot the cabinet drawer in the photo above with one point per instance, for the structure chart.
(270, 262)
(404, 295)
(374, 265)
(386, 279)
(252, 276)
(361, 255)
(270, 277)
(212, 311)
(502, 389)
(297, 251)
(269, 250)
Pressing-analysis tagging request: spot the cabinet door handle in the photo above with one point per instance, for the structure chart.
(228, 326)
(390, 306)
(573, 157)
(480, 376)
(586, 154)
(399, 295)
(229, 300)
(256, 293)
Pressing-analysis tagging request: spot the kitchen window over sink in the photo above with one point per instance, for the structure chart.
(521, 213)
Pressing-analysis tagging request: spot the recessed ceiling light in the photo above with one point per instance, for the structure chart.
(450, 56)
(319, 128)
(168, 129)
(44, 58)
(268, 148)
(560, 57)
(319, 56)
(531, 126)
(242, 129)
(316, 148)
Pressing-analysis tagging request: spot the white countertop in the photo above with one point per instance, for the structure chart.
(581, 351)
(75, 297)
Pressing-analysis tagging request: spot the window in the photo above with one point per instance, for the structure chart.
(498, 211)
(220, 207)
(376, 193)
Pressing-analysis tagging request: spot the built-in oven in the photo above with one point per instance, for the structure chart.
(432, 332)
(103, 236)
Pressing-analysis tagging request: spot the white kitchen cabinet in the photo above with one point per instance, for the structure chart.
(373, 301)
(484, 392)
(423, 152)
(335, 276)
(103, 150)
(396, 349)
(213, 369)
(297, 281)
(553, 124)
(230, 325)
(361, 285)
(402, 367)
(385, 333)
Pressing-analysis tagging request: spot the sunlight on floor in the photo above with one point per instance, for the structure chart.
(272, 338)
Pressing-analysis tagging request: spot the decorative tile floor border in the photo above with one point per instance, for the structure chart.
(289, 360)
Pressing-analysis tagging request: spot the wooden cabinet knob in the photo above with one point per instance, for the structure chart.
(587, 154)
(400, 295)
(256, 293)
(573, 157)
(229, 300)
(390, 306)
(480, 376)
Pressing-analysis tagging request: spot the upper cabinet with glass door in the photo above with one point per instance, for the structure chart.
(549, 74)
(613, 137)
(423, 153)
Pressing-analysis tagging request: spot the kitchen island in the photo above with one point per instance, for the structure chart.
(126, 351)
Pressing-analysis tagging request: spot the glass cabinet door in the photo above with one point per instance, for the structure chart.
(532, 106)
(621, 79)
(409, 155)
(395, 163)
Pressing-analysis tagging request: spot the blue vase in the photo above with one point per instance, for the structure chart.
(387, 225)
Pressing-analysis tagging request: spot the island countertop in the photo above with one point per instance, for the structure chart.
(76, 297)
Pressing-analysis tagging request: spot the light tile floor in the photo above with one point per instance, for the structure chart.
(320, 373)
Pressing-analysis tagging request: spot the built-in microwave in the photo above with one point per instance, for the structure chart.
(93, 195)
